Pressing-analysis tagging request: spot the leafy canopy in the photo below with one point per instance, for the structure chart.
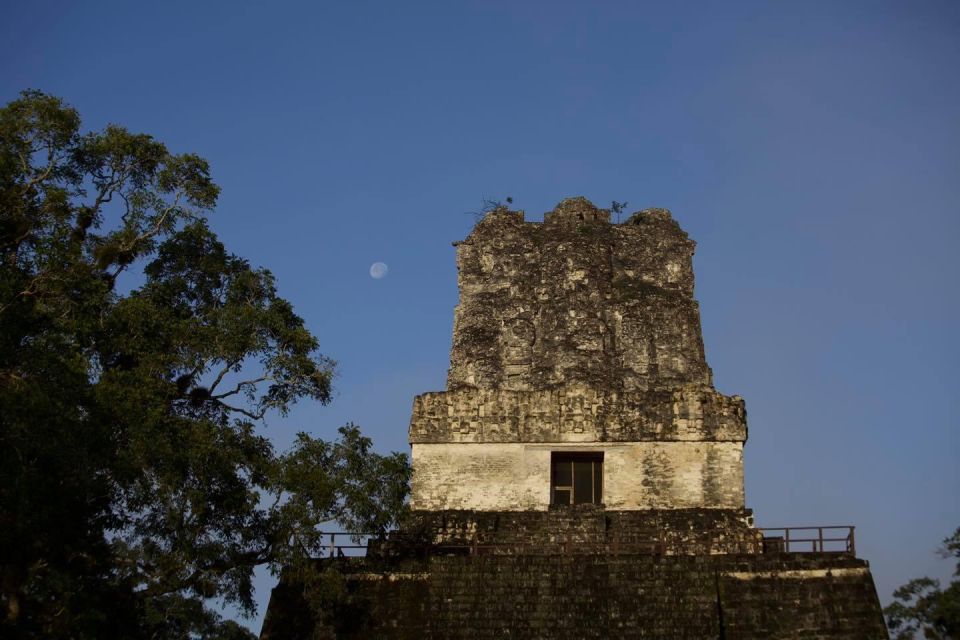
(133, 482)
(922, 606)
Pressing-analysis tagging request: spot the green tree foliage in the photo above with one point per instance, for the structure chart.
(921, 606)
(133, 483)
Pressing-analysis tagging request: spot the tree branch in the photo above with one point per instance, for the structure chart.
(241, 385)
(253, 416)
(218, 567)
(159, 224)
(226, 369)
(46, 172)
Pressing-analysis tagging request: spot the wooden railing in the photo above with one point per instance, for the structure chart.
(831, 539)
(356, 543)
(826, 539)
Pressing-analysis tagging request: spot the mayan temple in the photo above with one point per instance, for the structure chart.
(580, 477)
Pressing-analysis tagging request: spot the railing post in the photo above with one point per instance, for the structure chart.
(332, 538)
(786, 539)
(853, 544)
(820, 532)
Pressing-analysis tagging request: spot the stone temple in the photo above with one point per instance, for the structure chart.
(580, 477)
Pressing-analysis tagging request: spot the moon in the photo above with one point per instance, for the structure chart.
(378, 270)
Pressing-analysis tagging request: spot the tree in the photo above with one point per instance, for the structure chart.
(618, 208)
(921, 606)
(133, 482)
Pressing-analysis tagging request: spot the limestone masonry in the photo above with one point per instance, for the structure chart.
(580, 477)
(577, 335)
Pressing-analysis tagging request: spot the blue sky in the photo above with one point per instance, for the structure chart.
(812, 149)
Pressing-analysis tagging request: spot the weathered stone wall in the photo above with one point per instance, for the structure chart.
(511, 476)
(576, 596)
(584, 529)
(576, 413)
(576, 299)
(576, 330)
